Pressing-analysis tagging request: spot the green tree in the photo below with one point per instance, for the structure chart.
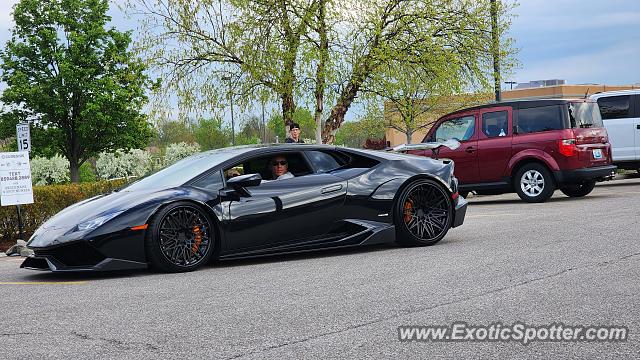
(256, 42)
(327, 48)
(170, 132)
(74, 79)
(252, 131)
(211, 134)
(370, 125)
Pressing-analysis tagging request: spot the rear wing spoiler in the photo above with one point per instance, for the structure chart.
(433, 146)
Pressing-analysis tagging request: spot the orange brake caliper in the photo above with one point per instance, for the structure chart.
(197, 240)
(408, 207)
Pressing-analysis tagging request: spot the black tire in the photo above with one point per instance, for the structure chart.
(579, 190)
(180, 238)
(534, 183)
(423, 213)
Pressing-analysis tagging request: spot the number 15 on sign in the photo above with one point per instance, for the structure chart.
(24, 137)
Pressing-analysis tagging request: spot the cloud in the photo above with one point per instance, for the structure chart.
(553, 16)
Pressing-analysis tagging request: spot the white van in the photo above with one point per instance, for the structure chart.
(621, 116)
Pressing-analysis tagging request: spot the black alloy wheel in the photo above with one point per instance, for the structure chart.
(424, 213)
(181, 238)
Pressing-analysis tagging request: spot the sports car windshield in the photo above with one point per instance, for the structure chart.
(182, 171)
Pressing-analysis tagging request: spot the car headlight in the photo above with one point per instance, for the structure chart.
(93, 223)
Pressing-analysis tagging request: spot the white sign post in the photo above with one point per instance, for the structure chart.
(23, 134)
(15, 182)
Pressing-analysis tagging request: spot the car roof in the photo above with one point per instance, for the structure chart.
(615, 93)
(251, 150)
(520, 104)
(242, 149)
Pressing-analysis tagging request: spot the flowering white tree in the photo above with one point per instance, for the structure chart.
(49, 171)
(179, 151)
(132, 163)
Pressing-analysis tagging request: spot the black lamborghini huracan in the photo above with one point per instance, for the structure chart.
(225, 204)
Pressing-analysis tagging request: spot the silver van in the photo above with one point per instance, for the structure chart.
(620, 112)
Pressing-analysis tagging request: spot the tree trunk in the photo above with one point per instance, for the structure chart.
(320, 71)
(338, 111)
(74, 169)
(360, 74)
(288, 108)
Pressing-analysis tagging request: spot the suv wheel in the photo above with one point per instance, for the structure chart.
(579, 190)
(534, 183)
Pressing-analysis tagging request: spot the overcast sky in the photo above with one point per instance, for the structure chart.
(580, 41)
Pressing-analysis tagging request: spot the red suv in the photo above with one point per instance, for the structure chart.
(532, 147)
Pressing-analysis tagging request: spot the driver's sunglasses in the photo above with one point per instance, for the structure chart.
(281, 162)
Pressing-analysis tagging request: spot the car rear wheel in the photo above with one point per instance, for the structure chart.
(423, 214)
(579, 190)
(534, 183)
(180, 238)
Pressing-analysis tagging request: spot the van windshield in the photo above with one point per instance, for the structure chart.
(585, 115)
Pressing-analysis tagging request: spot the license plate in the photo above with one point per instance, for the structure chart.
(597, 154)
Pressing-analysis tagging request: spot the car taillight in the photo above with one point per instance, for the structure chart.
(567, 147)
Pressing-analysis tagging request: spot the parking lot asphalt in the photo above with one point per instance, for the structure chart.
(574, 261)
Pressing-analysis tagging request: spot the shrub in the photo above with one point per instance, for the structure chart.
(48, 201)
(87, 174)
(179, 151)
(49, 171)
(123, 164)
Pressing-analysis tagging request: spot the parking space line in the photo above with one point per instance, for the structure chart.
(489, 215)
(43, 282)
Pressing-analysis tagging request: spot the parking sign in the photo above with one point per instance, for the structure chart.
(24, 137)
(15, 178)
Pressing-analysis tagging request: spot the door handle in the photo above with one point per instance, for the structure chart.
(638, 126)
(330, 189)
(470, 149)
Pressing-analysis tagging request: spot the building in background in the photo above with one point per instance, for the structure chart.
(539, 89)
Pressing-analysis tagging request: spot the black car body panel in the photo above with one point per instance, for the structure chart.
(347, 206)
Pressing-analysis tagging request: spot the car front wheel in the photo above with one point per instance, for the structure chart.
(534, 183)
(180, 238)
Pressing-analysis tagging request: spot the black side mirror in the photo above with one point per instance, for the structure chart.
(241, 182)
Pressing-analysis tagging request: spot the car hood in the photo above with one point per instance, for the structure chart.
(59, 227)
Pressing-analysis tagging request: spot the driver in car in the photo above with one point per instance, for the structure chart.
(280, 168)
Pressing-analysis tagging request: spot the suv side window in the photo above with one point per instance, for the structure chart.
(543, 118)
(495, 124)
(460, 128)
(614, 107)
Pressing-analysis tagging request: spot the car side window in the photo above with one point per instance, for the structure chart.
(295, 164)
(459, 128)
(614, 107)
(542, 118)
(322, 161)
(212, 181)
(495, 124)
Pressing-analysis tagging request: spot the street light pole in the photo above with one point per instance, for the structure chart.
(510, 83)
(264, 127)
(233, 124)
(495, 49)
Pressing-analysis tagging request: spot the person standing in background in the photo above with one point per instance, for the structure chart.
(294, 134)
